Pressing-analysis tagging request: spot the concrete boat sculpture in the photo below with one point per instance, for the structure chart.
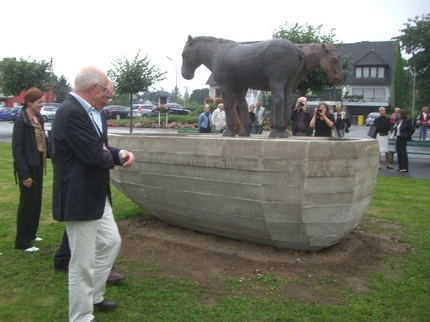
(297, 193)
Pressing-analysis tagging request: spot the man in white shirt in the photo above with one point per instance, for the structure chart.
(218, 117)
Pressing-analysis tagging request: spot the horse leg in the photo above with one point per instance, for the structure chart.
(227, 97)
(278, 131)
(288, 94)
(243, 113)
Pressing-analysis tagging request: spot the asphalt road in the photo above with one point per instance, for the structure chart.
(419, 165)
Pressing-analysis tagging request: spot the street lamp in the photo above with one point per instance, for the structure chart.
(176, 70)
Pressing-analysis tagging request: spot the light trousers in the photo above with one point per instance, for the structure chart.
(94, 246)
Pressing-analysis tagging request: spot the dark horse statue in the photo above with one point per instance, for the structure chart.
(274, 63)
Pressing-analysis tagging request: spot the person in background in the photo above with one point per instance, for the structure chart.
(383, 127)
(322, 120)
(205, 120)
(82, 158)
(341, 122)
(63, 254)
(403, 132)
(260, 115)
(301, 119)
(423, 121)
(252, 129)
(30, 150)
(394, 118)
(218, 118)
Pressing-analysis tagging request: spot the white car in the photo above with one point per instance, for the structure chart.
(371, 117)
(48, 112)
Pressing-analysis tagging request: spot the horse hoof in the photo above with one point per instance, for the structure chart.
(278, 134)
(244, 133)
(228, 133)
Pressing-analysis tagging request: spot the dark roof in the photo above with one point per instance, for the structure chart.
(375, 53)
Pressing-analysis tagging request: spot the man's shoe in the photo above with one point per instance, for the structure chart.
(61, 268)
(105, 305)
(31, 249)
(114, 278)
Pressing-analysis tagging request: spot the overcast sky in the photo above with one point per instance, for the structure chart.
(80, 33)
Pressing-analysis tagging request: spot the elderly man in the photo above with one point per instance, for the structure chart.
(82, 158)
(301, 119)
(205, 120)
(218, 118)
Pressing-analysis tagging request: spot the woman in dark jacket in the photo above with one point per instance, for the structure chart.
(30, 150)
(403, 132)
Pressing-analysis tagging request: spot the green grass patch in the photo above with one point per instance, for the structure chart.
(30, 290)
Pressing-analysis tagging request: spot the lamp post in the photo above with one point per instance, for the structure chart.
(413, 92)
(176, 73)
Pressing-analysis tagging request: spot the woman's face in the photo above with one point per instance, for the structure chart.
(36, 105)
(323, 108)
(382, 111)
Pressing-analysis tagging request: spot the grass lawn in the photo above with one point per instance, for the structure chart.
(30, 290)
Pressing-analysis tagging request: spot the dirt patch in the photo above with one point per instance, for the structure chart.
(225, 267)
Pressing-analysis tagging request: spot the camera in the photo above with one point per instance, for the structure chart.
(301, 104)
(319, 110)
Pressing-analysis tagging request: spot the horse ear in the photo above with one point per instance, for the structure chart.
(190, 39)
(325, 48)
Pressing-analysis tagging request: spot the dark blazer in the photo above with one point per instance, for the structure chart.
(406, 129)
(295, 118)
(81, 165)
(26, 156)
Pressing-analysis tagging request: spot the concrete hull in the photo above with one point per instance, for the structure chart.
(296, 193)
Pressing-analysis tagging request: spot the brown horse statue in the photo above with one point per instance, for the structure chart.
(236, 67)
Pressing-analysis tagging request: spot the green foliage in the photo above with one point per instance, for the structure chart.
(19, 75)
(62, 89)
(415, 40)
(198, 96)
(131, 77)
(316, 81)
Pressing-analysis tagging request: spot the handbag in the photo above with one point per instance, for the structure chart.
(372, 131)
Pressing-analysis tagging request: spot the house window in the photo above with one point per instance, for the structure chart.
(369, 72)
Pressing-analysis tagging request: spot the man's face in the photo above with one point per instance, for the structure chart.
(99, 92)
(301, 103)
(206, 109)
(221, 106)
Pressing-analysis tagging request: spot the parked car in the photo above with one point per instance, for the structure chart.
(48, 112)
(116, 112)
(5, 114)
(177, 109)
(371, 117)
(14, 113)
(142, 110)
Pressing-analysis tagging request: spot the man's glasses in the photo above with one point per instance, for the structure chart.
(106, 90)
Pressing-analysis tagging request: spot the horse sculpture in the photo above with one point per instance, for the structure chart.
(274, 63)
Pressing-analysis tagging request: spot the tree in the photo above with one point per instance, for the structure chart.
(132, 77)
(20, 75)
(62, 89)
(198, 96)
(415, 40)
(308, 34)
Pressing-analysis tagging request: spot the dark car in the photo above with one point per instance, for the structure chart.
(177, 109)
(116, 112)
(5, 114)
(14, 113)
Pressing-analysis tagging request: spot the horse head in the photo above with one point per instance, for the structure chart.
(331, 63)
(190, 59)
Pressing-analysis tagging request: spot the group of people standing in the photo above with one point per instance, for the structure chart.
(397, 126)
(81, 158)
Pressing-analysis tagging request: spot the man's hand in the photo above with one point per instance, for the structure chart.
(128, 158)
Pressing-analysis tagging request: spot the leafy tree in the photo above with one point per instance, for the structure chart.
(198, 96)
(308, 34)
(415, 40)
(132, 77)
(62, 89)
(19, 75)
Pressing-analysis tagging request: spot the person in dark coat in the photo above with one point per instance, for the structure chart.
(82, 158)
(403, 132)
(322, 120)
(301, 119)
(30, 150)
